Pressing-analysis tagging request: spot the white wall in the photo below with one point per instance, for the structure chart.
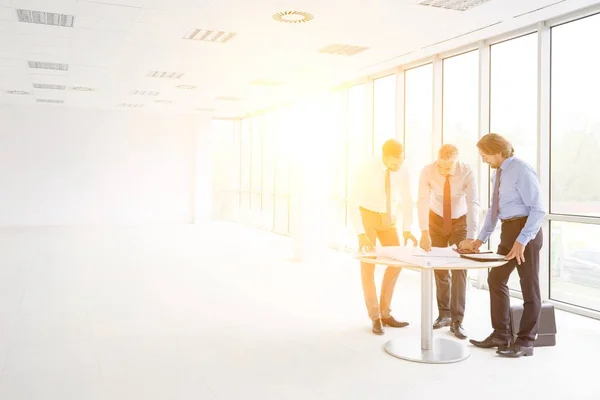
(67, 166)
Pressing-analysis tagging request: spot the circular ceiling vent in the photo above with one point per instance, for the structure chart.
(82, 89)
(292, 17)
(18, 92)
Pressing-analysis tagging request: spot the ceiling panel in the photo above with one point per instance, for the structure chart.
(54, 6)
(5, 3)
(8, 14)
(130, 3)
(112, 12)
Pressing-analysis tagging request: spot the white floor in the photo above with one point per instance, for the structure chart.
(224, 313)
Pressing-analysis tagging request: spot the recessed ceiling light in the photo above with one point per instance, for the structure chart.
(48, 65)
(458, 5)
(165, 74)
(48, 86)
(342, 49)
(82, 89)
(17, 92)
(205, 35)
(50, 101)
(128, 105)
(292, 17)
(45, 18)
(164, 101)
(186, 87)
(145, 93)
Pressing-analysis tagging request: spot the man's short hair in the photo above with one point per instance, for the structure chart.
(392, 148)
(448, 152)
(492, 144)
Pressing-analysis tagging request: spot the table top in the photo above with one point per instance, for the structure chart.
(415, 258)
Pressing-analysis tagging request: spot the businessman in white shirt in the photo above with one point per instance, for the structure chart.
(448, 207)
(380, 187)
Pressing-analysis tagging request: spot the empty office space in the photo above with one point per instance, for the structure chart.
(277, 199)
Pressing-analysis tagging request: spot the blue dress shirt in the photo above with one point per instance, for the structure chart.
(519, 195)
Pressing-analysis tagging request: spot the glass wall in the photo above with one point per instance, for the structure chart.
(418, 127)
(384, 111)
(574, 156)
(461, 105)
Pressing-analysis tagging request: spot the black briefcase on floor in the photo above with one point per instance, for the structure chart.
(546, 327)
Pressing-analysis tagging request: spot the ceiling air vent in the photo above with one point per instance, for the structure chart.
(45, 18)
(342, 49)
(82, 89)
(145, 93)
(292, 17)
(128, 105)
(50, 101)
(165, 74)
(48, 65)
(48, 86)
(457, 5)
(205, 35)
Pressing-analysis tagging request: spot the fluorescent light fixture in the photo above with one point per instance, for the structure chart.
(128, 105)
(342, 49)
(165, 74)
(48, 86)
(48, 65)
(457, 5)
(145, 93)
(17, 92)
(50, 101)
(45, 18)
(205, 35)
(82, 89)
(164, 101)
(186, 87)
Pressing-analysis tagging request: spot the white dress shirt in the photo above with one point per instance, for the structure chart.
(368, 191)
(463, 193)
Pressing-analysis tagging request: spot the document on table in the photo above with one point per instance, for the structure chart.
(437, 257)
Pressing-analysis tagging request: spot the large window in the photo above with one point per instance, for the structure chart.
(513, 107)
(513, 112)
(256, 166)
(575, 149)
(359, 140)
(461, 105)
(282, 171)
(384, 111)
(575, 144)
(418, 125)
(268, 171)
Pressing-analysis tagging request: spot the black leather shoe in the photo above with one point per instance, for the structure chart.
(378, 327)
(491, 342)
(391, 321)
(458, 330)
(516, 351)
(441, 322)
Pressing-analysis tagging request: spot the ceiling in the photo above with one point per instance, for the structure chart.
(114, 44)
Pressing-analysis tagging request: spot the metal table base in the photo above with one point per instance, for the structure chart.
(438, 351)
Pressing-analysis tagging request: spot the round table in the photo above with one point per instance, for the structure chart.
(438, 351)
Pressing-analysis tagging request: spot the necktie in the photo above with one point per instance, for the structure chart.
(388, 198)
(496, 196)
(447, 207)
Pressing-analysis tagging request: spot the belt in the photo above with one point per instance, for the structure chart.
(511, 219)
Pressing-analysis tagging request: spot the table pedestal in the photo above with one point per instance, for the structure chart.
(439, 351)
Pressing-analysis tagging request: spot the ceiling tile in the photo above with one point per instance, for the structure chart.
(8, 14)
(5, 3)
(54, 6)
(96, 10)
(104, 24)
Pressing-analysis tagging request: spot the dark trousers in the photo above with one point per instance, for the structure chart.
(451, 287)
(376, 227)
(530, 286)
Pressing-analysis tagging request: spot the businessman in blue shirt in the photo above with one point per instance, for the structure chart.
(517, 202)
